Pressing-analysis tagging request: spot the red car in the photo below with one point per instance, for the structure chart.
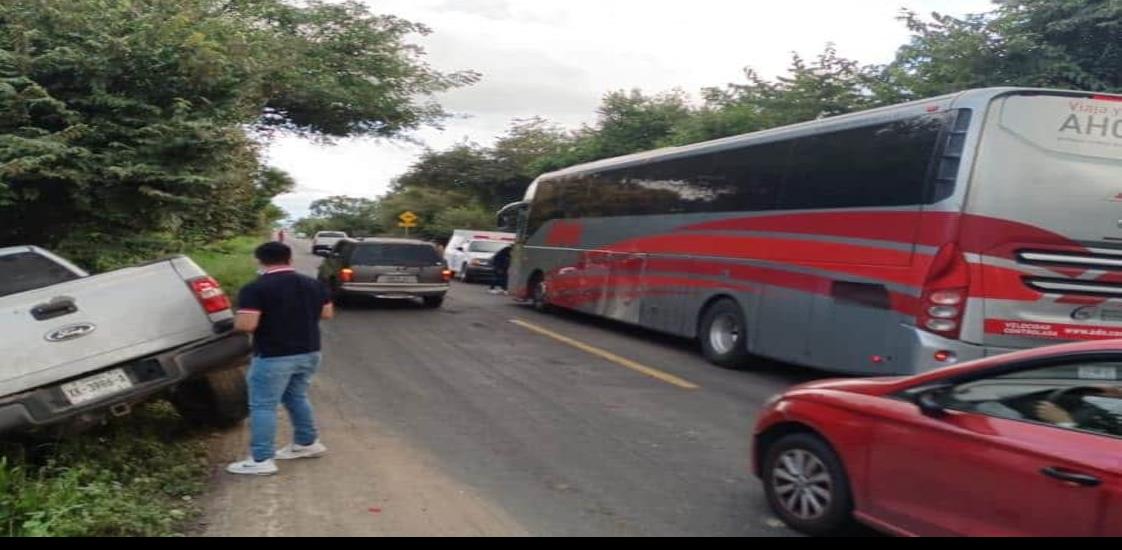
(1024, 444)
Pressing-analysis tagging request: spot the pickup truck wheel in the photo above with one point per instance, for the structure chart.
(434, 302)
(219, 399)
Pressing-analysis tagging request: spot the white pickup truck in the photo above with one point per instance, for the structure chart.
(324, 242)
(75, 348)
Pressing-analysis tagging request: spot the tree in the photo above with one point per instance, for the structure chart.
(1073, 44)
(628, 122)
(460, 217)
(830, 85)
(123, 124)
(355, 216)
(336, 69)
(491, 176)
(518, 155)
(428, 204)
(465, 168)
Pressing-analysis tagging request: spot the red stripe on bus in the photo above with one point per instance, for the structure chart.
(565, 234)
(977, 234)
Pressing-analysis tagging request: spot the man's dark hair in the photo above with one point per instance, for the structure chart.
(273, 254)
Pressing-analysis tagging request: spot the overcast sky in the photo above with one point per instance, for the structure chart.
(557, 58)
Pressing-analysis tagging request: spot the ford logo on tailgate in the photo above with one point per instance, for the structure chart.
(70, 332)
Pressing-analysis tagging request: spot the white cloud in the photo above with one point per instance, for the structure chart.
(556, 58)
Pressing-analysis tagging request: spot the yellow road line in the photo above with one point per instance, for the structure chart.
(627, 363)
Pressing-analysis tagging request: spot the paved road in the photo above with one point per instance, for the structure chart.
(558, 425)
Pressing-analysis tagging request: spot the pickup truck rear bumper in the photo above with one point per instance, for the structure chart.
(48, 405)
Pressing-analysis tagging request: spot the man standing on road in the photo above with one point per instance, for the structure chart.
(501, 263)
(282, 309)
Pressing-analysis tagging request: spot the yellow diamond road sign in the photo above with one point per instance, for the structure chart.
(408, 218)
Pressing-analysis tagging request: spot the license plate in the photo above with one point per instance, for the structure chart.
(96, 387)
(1098, 373)
(398, 279)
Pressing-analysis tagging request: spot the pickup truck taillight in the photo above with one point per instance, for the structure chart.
(447, 274)
(346, 275)
(210, 294)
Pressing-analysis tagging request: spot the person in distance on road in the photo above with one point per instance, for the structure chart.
(282, 309)
(501, 263)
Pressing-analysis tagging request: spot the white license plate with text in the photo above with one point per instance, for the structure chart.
(97, 387)
(397, 279)
(1098, 373)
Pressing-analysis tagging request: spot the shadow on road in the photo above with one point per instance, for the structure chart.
(760, 366)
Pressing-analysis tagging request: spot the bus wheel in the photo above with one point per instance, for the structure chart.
(723, 334)
(539, 295)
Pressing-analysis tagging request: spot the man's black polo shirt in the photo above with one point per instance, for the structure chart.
(290, 305)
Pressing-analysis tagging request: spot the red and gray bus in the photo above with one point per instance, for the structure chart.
(889, 241)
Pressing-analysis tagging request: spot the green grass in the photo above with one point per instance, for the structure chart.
(231, 262)
(136, 477)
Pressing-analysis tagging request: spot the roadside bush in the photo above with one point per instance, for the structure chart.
(231, 262)
(135, 477)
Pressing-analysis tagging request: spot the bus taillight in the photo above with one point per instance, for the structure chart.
(945, 293)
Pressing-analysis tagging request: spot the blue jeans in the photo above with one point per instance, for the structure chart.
(500, 280)
(277, 380)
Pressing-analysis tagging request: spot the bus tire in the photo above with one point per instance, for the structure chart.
(723, 334)
(539, 295)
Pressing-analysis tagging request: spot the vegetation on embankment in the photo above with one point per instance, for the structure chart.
(134, 477)
(231, 262)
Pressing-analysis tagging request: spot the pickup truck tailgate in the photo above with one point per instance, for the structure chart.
(73, 328)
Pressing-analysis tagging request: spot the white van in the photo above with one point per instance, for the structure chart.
(456, 254)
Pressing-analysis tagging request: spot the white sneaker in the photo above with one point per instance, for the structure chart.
(294, 451)
(250, 467)
(495, 291)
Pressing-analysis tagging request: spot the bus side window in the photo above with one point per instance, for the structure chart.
(871, 166)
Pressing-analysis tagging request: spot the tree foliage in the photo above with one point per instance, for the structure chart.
(132, 127)
(1071, 44)
(355, 216)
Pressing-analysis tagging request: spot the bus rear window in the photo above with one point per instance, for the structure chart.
(28, 271)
